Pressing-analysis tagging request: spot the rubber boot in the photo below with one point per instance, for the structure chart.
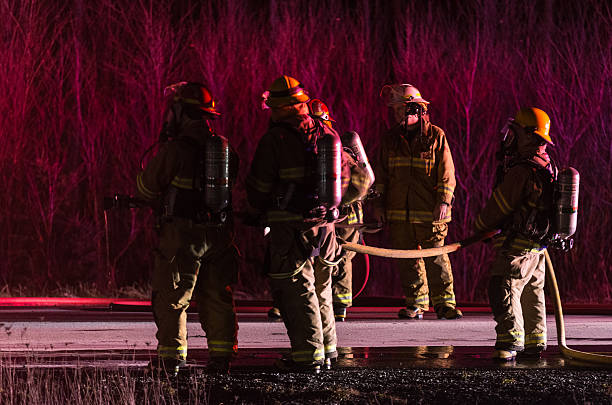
(411, 312)
(446, 312)
(287, 365)
(218, 365)
(530, 353)
(340, 314)
(274, 315)
(504, 355)
(168, 366)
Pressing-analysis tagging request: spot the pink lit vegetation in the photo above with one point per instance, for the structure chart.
(82, 82)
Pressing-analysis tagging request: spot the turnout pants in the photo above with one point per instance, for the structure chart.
(516, 295)
(302, 290)
(342, 273)
(426, 277)
(323, 283)
(201, 262)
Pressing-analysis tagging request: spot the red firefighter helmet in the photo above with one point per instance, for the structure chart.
(194, 94)
(319, 110)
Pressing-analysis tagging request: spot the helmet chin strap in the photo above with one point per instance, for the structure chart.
(211, 131)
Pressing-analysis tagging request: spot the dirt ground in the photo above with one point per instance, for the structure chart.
(344, 386)
(408, 386)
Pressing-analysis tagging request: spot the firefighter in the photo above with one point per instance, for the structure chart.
(342, 267)
(280, 183)
(342, 271)
(333, 271)
(415, 175)
(521, 205)
(196, 255)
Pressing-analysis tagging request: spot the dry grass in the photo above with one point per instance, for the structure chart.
(80, 289)
(34, 382)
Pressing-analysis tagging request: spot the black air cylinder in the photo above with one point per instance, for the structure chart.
(329, 168)
(217, 187)
(566, 206)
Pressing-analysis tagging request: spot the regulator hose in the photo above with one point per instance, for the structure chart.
(366, 258)
(551, 279)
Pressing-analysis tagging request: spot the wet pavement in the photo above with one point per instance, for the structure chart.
(372, 337)
(382, 360)
(262, 359)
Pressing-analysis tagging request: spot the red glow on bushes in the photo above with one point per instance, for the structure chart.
(82, 99)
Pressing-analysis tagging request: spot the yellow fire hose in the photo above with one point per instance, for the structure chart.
(415, 254)
(453, 247)
(566, 351)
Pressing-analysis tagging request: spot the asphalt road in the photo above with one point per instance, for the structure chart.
(94, 355)
(370, 336)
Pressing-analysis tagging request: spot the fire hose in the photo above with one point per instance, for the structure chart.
(566, 351)
(453, 247)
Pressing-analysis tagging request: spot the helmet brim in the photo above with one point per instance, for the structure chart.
(406, 101)
(298, 98)
(210, 111)
(547, 138)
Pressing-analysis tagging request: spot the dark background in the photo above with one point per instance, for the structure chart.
(81, 98)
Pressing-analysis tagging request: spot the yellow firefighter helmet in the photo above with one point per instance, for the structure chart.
(535, 120)
(286, 90)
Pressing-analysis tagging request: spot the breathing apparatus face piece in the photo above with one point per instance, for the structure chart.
(518, 141)
(529, 143)
(189, 104)
(508, 137)
(170, 127)
(410, 113)
(179, 117)
(415, 109)
(405, 113)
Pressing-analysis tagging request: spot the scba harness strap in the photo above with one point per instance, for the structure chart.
(185, 198)
(535, 222)
(300, 197)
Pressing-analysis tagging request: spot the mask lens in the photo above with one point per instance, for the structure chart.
(414, 109)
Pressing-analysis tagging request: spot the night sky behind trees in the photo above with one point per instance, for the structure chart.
(82, 84)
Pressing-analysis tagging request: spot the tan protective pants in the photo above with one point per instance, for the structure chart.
(342, 273)
(516, 295)
(303, 293)
(323, 282)
(430, 276)
(194, 260)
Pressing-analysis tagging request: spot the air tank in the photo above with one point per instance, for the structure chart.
(329, 169)
(566, 205)
(352, 141)
(216, 184)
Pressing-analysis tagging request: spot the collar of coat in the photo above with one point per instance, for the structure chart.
(302, 124)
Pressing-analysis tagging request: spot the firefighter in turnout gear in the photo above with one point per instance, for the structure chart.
(415, 175)
(342, 271)
(341, 268)
(521, 205)
(282, 183)
(189, 181)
